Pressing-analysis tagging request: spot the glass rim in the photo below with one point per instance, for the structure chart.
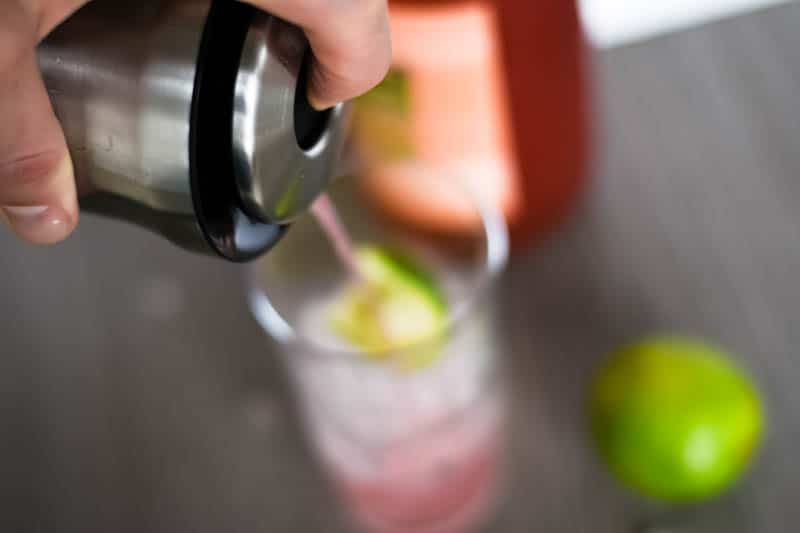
(496, 240)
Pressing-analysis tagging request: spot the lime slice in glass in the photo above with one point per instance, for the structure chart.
(395, 307)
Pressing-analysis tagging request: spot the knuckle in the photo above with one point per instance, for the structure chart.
(30, 171)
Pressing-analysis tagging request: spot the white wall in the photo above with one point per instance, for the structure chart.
(616, 22)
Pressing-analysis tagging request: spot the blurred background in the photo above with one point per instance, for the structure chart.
(645, 157)
(611, 23)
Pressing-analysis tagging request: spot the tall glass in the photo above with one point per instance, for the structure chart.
(409, 447)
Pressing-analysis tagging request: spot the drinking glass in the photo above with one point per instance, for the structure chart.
(409, 448)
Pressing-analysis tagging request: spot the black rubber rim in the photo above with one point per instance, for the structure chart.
(227, 228)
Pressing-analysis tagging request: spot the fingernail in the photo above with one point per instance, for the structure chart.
(317, 104)
(39, 224)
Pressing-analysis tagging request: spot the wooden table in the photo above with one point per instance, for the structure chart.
(138, 394)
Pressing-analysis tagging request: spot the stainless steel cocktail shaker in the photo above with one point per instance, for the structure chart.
(190, 117)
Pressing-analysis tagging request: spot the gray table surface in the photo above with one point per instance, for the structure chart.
(139, 395)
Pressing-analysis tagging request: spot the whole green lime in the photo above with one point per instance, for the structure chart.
(675, 419)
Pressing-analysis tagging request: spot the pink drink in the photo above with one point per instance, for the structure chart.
(439, 484)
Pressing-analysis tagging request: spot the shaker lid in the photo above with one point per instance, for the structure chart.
(284, 150)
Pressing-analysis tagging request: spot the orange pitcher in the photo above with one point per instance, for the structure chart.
(492, 92)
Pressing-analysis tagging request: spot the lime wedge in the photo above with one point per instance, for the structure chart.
(395, 308)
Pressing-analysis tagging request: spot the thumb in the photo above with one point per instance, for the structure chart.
(37, 189)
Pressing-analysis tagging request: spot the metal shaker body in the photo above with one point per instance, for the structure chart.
(189, 117)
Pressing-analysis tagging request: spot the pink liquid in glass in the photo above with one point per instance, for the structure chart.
(440, 481)
(419, 494)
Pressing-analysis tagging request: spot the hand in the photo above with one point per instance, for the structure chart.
(352, 49)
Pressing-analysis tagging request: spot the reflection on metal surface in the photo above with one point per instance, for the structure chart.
(277, 178)
(121, 78)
